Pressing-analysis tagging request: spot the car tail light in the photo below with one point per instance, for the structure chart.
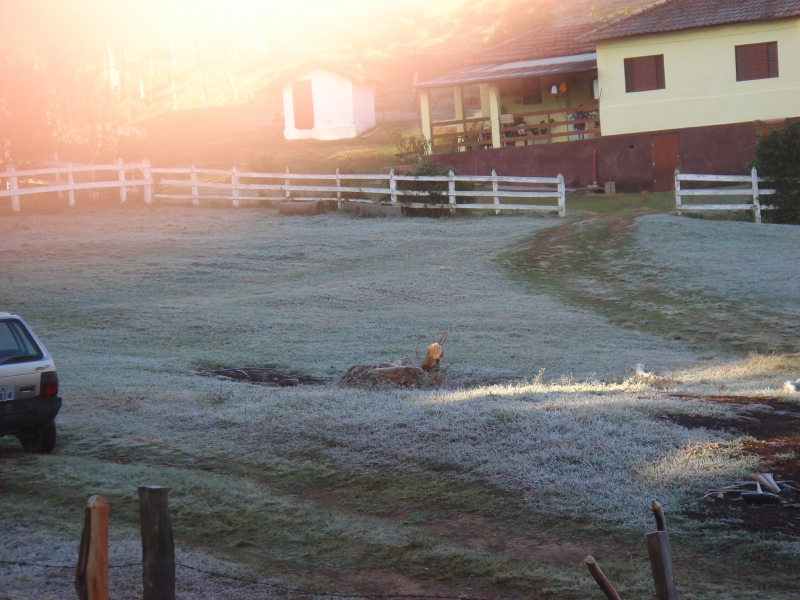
(49, 384)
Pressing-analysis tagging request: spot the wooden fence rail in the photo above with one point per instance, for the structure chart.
(751, 190)
(195, 184)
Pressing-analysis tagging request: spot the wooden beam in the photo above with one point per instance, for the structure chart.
(425, 108)
(494, 113)
(158, 546)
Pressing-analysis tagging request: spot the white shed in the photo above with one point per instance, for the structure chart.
(324, 100)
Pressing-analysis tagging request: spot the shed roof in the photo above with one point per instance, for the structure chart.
(514, 70)
(677, 15)
(351, 72)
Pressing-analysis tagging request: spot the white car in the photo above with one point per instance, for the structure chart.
(29, 400)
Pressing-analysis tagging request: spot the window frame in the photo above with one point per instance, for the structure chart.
(771, 61)
(532, 82)
(637, 63)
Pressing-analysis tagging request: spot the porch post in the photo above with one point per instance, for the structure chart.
(458, 98)
(494, 114)
(485, 111)
(425, 107)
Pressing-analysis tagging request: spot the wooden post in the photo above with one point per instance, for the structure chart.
(494, 115)
(235, 184)
(91, 576)
(286, 183)
(14, 184)
(451, 189)
(123, 191)
(756, 199)
(678, 191)
(658, 513)
(71, 181)
(601, 579)
(425, 108)
(58, 176)
(393, 186)
(195, 193)
(158, 545)
(148, 187)
(458, 99)
(562, 196)
(494, 189)
(661, 563)
(339, 194)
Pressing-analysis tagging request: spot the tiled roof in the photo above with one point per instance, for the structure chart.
(541, 42)
(676, 15)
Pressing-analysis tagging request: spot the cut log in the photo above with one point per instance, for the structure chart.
(366, 210)
(400, 372)
(297, 207)
(433, 356)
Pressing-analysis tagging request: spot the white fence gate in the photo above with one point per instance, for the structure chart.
(196, 185)
(751, 190)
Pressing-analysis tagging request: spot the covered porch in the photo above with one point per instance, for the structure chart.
(540, 101)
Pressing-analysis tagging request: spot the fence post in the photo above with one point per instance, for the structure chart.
(71, 181)
(678, 191)
(14, 184)
(562, 196)
(661, 557)
(392, 186)
(338, 194)
(123, 191)
(158, 545)
(148, 187)
(235, 184)
(195, 194)
(756, 199)
(494, 189)
(286, 183)
(451, 189)
(58, 176)
(91, 576)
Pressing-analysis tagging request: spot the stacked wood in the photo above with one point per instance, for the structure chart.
(752, 492)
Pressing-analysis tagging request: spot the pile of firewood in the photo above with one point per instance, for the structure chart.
(753, 491)
(401, 372)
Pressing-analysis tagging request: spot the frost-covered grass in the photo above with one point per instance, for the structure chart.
(129, 300)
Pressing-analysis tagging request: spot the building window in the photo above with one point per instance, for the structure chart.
(757, 61)
(644, 73)
(532, 90)
(303, 103)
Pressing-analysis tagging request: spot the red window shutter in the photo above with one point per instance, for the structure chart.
(303, 103)
(644, 73)
(772, 58)
(756, 61)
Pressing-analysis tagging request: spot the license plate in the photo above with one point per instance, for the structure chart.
(6, 393)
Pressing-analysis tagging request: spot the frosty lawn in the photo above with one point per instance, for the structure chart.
(337, 487)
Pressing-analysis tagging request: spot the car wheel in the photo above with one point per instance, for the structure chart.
(40, 440)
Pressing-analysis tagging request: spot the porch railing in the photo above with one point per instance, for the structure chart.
(580, 122)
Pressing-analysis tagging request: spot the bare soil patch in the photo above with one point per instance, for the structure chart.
(776, 443)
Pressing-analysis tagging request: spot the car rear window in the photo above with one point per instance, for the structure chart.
(16, 343)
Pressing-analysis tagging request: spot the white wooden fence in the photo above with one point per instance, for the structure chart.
(196, 185)
(751, 190)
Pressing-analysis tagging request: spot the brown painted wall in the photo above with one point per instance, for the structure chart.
(625, 159)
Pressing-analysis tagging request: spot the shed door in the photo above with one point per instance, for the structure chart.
(666, 158)
(303, 104)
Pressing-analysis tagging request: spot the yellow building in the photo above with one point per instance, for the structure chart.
(680, 83)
